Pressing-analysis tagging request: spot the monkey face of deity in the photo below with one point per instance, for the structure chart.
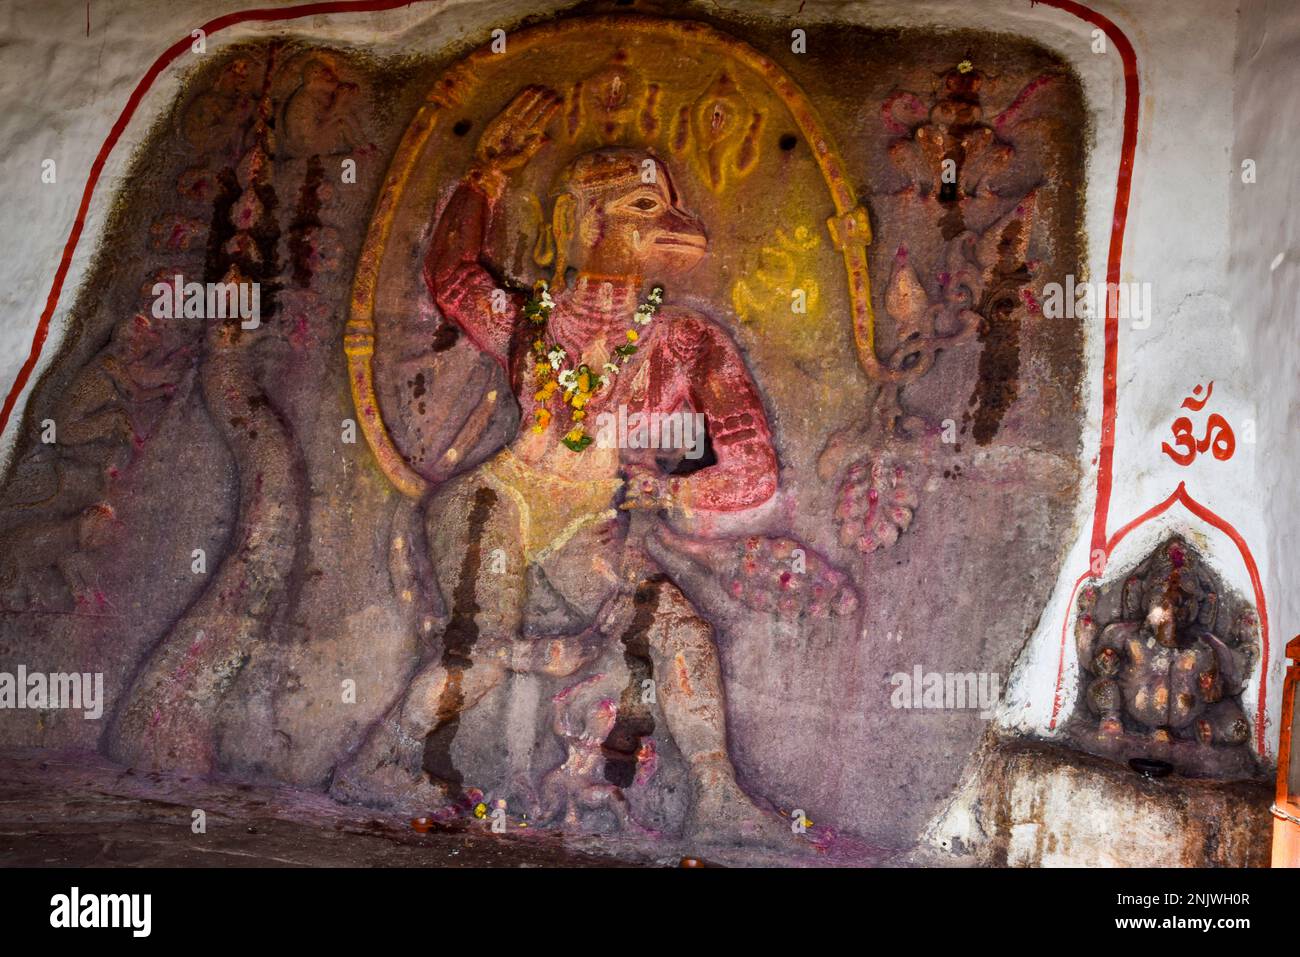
(620, 215)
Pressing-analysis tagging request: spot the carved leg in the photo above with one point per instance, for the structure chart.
(77, 570)
(1106, 699)
(574, 602)
(405, 760)
(611, 798)
(552, 797)
(1223, 723)
(168, 718)
(691, 695)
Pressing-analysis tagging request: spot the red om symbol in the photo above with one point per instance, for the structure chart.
(1218, 437)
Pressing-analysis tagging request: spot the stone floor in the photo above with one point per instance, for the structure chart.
(77, 809)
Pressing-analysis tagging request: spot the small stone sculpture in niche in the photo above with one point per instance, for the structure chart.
(1163, 676)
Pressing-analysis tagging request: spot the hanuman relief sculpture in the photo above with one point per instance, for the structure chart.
(556, 502)
(626, 548)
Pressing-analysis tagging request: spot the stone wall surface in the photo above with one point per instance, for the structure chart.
(346, 632)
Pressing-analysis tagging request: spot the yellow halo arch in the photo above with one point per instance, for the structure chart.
(849, 228)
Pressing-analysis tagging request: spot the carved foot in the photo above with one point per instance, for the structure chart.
(723, 814)
(1110, 728)
(558, 657)
(158, 736)
(387, 778)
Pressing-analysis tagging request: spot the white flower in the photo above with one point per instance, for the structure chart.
(568, 379)
(610, 368)
(556, 356)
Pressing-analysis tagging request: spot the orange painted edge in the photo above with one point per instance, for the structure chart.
(1290, 689)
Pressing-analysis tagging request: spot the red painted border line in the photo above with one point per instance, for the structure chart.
(1060, 661)
(266, 14)
(1110, 362)
(1123, 189)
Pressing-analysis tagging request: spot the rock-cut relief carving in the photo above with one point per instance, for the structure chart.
(970, 194)
(570, 518)
(507, 562)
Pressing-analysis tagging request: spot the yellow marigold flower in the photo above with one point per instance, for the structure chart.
(584, 382)
(579, 415)
(632, 335)
(480, 810)
(575, 435)
(580, 400)
(543, 417)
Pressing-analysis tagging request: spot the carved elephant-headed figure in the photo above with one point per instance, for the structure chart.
(1160, 669)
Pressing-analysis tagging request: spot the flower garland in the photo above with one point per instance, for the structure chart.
(579, 384)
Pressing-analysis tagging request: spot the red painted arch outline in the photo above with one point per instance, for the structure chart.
(1128, 149)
